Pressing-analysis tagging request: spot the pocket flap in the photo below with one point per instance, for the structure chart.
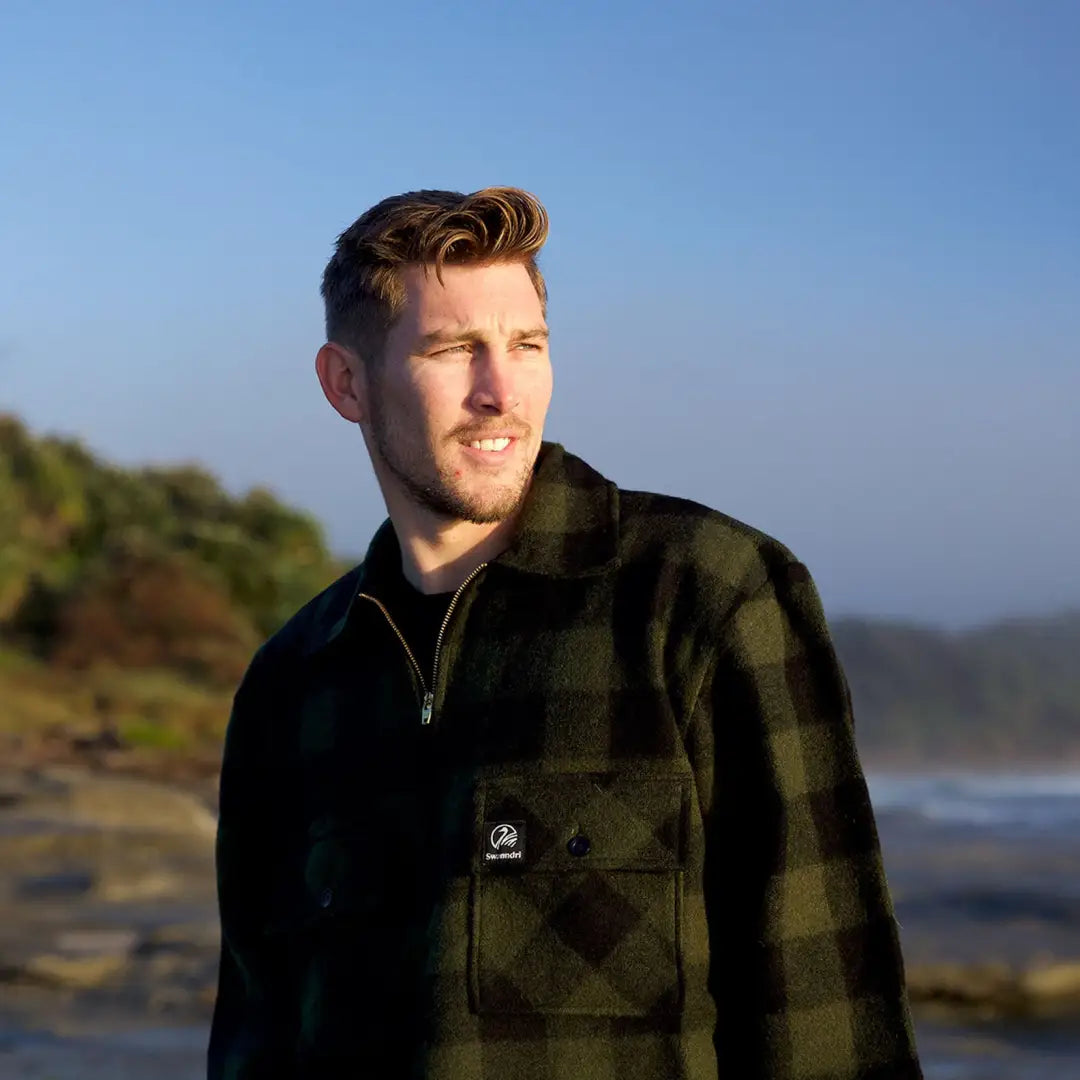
(571, 821)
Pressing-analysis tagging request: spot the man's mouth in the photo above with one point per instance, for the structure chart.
(491, 444)
(492, 448)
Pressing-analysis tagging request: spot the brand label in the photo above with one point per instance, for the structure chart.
(504, 841)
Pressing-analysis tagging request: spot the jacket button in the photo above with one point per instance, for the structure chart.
(578, 845)
(326, 897)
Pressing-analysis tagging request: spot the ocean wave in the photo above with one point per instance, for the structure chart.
(991, 800)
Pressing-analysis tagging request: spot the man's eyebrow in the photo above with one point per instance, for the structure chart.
(472, 333)
(537, 332)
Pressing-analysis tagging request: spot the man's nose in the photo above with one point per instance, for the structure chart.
(494, 388)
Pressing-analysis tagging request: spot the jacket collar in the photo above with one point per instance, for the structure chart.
(569, 528)
(569, 525)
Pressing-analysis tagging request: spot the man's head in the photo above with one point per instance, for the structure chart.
(437, 341)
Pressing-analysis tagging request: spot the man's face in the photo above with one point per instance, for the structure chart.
(466, 362)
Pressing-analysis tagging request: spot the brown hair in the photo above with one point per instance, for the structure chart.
(362, 287)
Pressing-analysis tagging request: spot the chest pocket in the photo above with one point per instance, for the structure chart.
(588, 919)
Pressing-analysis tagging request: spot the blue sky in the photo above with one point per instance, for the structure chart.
(816, 265)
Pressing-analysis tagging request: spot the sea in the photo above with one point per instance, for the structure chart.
(983, 867)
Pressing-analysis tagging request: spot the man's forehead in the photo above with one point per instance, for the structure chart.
(471, 295)
(422, 281)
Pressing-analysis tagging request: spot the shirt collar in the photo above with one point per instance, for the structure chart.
(568, 528)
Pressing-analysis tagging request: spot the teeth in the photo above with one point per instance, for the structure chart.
(490, 444)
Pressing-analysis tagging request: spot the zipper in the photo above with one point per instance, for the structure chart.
(428, 704)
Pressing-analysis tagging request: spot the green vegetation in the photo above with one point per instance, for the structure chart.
(132, 599)
(135, 597)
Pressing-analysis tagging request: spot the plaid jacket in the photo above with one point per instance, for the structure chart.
(620, 831)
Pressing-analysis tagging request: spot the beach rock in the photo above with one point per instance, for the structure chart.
(12, 790)
(955, 984)
(74, 972)
(995, 990)
(117, 802)
(182, 937)
(1060, 982)
(86, 942)
(119, 885)
(80, 959)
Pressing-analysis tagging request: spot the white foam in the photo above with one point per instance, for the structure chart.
(1029, 800)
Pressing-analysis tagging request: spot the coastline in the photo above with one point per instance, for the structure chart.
(109, 937)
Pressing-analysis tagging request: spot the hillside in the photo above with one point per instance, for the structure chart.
(131, 601)
(993, 694)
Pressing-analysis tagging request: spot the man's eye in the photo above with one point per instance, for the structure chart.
(528, 345)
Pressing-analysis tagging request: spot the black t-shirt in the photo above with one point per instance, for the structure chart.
(418, 617)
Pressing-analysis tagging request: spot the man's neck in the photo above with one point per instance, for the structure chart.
(438, 555)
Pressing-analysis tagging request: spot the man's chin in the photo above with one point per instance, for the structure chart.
(480, 510)
(487, 513)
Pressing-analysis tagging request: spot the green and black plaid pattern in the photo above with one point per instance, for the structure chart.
(641, 692)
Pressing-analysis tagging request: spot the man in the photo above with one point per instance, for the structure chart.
(560, 781)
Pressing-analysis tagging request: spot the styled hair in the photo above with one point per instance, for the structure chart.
(362, 285)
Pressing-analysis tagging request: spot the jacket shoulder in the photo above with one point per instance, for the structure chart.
(253, 733)
(311, 625)
(697, 540)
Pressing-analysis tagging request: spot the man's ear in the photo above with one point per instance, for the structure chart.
(343, 381)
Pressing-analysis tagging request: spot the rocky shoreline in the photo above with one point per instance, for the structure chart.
(107, 899)
(108, 910)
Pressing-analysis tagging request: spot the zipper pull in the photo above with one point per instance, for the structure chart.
(426, 708)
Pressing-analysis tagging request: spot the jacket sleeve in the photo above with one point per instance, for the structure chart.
(249, 1034)
(805, 964)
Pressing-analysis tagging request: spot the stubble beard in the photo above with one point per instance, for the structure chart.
(432, 486)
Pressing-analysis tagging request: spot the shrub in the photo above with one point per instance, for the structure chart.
(143, 609)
